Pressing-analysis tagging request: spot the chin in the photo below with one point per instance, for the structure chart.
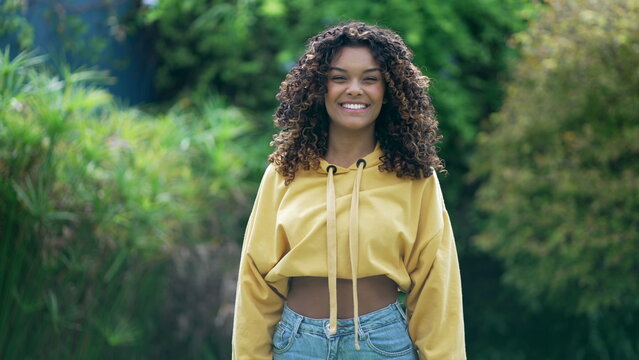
(355, 126)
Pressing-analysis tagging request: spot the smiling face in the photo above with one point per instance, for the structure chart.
(355, 90)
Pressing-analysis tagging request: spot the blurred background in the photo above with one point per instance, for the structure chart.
(133, 135)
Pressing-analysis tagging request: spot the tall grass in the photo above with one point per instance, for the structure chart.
(93, 200)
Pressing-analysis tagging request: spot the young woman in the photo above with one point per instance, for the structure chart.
(348, 212)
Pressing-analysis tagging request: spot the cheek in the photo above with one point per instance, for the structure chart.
(331, 92)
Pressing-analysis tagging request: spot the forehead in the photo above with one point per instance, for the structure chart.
(354, 57)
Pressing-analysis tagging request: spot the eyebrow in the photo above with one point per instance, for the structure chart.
(344, 70)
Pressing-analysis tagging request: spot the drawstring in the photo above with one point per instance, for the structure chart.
(353, 240)
(331, 251)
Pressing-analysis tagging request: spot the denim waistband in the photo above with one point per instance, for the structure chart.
(296, 322)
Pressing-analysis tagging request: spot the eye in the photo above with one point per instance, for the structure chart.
(370, 79)
(338, 78)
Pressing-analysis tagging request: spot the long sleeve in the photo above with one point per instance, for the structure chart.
(258, 306)
(434, 302)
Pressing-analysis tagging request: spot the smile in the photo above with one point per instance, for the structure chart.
(352, 106)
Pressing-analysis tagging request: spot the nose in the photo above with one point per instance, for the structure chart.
(354, 88)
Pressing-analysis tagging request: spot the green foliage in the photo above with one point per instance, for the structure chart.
(226, 157)
(93, 197)
(560, 199)
(13, 23)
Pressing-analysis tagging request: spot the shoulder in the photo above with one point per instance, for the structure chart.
(431, 182)
(272, 181)
(271, 173)
(432, 213)
(432, 195)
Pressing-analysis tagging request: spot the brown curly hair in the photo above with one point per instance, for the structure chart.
(406, 127)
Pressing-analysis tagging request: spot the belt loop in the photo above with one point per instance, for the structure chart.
(298, 322)
(362, 334)
(401, 311)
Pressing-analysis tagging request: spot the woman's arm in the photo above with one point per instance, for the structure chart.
(258, 307)
(434, 302)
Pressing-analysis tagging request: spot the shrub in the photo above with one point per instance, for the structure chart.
(14, 24)
(93, 200)
(560, 198)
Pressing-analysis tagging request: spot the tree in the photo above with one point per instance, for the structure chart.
(560, 164)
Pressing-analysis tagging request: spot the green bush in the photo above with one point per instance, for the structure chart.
(560, 199)
(13, 23)
(93, 200)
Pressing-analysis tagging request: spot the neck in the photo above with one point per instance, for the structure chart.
(345, 150)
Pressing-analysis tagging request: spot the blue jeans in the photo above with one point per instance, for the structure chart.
(383, 334)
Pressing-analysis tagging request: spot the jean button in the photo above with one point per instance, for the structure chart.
(327, 326)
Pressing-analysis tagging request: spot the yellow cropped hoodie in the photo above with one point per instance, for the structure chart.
(350, 223)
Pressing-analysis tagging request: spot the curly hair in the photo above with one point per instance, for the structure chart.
(406, 127)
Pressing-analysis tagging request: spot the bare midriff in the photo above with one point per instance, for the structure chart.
(308, 296)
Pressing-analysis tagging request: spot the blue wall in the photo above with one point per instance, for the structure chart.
(130, 58)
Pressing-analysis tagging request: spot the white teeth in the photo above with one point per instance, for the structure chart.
(354, 106)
